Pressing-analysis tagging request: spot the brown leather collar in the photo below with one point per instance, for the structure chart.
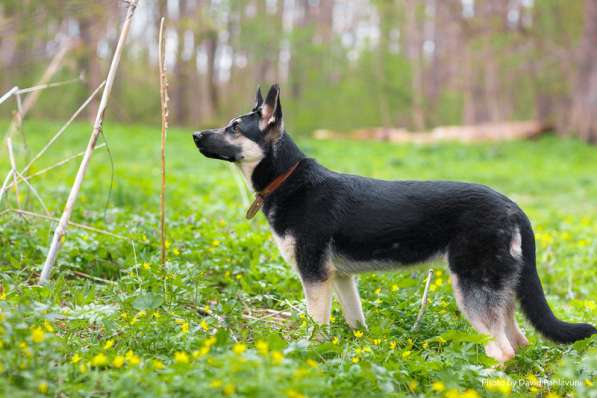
(268, 190)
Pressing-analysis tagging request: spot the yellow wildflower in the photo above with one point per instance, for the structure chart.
(181, 357)
(204, 325)
(503, 386)
(146, 266)
(229, 389)
(132, 358)
(83, 368)
(552, 394)
(395, 287)
(210, 341)
(356, 359)
(75, 358)
(216, 383)
(470, 394)
(376, 341)
(335, 340)
(406, 354)
(157, 364)
(588, 383)
(99, 360)
(42, 387)
(109, 344)
(294, 394)
(184, 327)
(392, 345)
(412, 385)
(262, 347)
(215, 243)
(118, 361)
(452, 393)
(37, 334)
(277, 357)
(48, 326)
(312, 363)
(438, 386)
(358, 333)
(378, 291)
(239, 348)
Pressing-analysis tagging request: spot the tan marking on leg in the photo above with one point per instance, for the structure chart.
(347, 293)
(490, 322)
(318, 296)
(515, 336)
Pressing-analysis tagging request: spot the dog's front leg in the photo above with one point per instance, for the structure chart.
(347, 293)
(316, 279)
(318, 295)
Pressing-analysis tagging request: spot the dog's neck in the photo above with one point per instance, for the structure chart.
(279, 159)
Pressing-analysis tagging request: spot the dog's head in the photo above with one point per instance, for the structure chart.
(246, 138)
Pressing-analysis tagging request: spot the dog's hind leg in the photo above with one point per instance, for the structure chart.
(487, 313)
(345, 287)
(516, 338)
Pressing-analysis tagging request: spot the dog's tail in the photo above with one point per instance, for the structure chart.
(532, 299)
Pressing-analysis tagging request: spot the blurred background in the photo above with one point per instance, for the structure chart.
(342, 65)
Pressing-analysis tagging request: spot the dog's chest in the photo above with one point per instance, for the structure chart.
(287, 246)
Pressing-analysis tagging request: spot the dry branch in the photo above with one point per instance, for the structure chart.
(35, 193)
(164, 107)
(13, 165)
(63, 128)
(5, 183)
(49, 168)
(97, 129)
(31, 99)
(71, 224)
(423, 300)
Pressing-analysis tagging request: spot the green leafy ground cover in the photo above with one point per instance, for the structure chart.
(225, 316)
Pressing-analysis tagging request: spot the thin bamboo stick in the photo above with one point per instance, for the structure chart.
(97, 129)
(164, 106)
(71, 224)
(31, 99)
(13, 165)
(63, 128)
(38, 87)
(52, 167)
(5, 183)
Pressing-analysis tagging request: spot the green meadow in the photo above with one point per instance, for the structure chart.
(225, 316)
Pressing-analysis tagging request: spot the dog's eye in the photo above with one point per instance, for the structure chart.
(237, 130)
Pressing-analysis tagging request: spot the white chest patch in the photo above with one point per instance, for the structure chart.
(287, 246)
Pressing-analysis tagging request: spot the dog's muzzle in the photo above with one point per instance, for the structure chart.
(198, 137)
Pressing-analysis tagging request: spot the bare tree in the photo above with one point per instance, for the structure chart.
(584, 105)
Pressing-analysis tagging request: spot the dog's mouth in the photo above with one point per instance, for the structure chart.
(213, 155)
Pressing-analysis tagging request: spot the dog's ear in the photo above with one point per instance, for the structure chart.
(258, 99)
(271, 113)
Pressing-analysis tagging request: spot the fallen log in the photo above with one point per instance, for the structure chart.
(489, 132)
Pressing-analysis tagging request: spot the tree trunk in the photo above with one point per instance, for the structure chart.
(584, 104)
(414, 44)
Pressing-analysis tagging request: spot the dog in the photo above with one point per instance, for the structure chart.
(331, 226)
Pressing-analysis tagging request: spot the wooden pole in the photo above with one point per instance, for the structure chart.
(95, 133)
(164, 106)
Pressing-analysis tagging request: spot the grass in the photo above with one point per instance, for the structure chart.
(225, 317)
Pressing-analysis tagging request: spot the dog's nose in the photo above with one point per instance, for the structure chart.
(197, 136)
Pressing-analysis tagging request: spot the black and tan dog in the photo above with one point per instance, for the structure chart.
(330, 226)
